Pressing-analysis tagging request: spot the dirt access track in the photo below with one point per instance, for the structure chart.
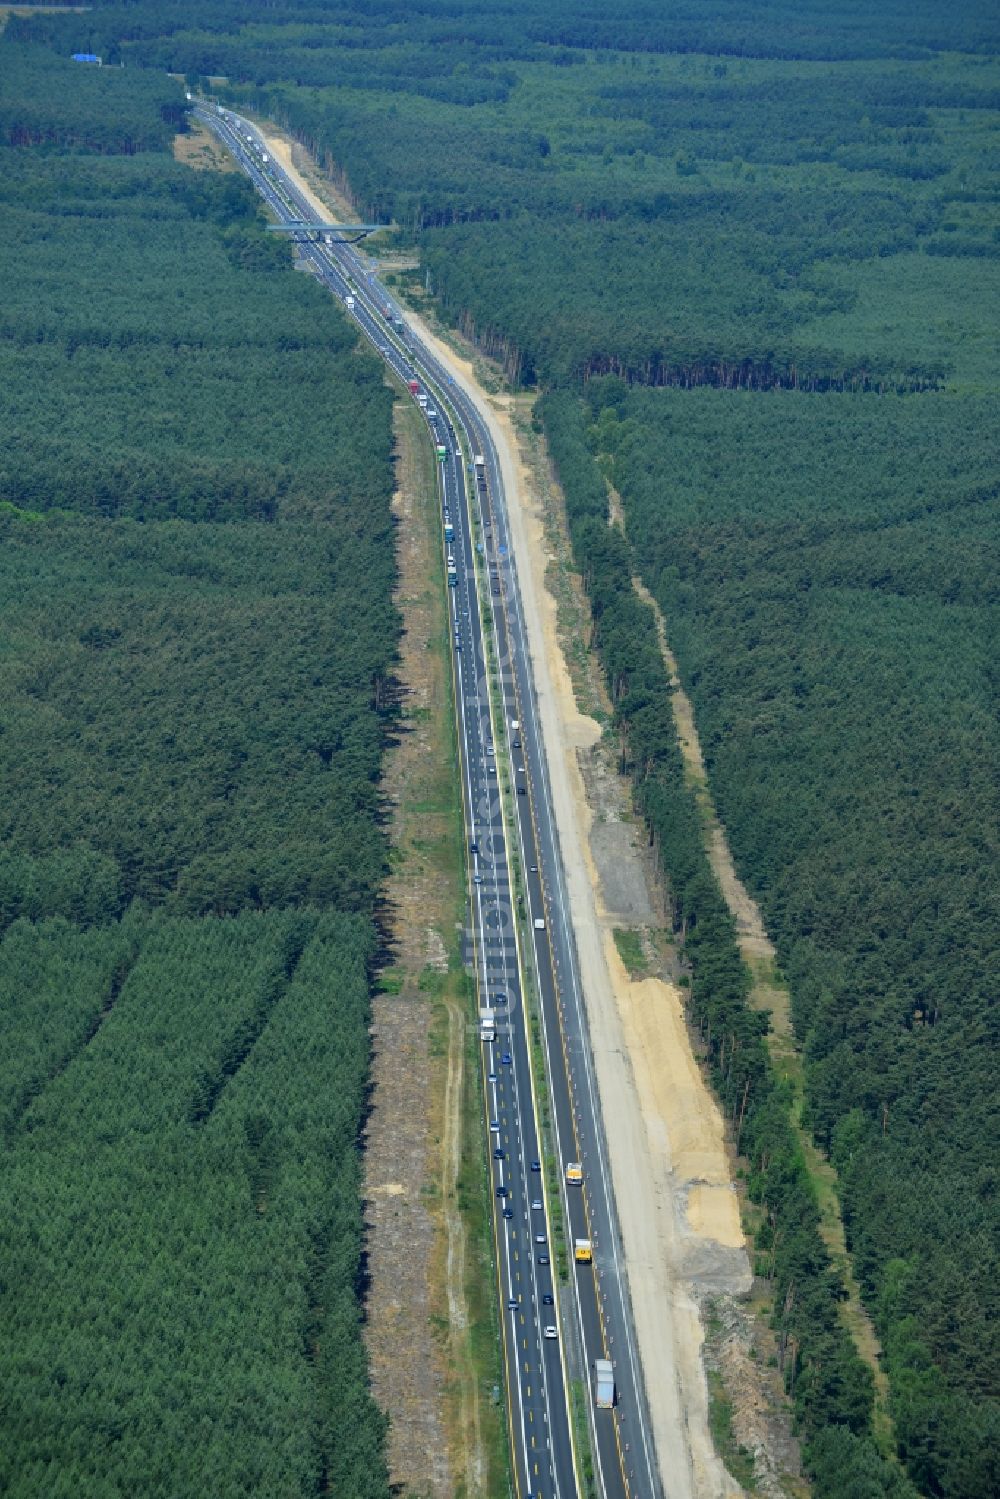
(678, 1210)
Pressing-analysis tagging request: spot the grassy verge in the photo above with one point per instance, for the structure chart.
(630, 950)
(579, 1396)
(738, 1461)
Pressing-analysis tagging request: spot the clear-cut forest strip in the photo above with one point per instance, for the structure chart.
(402, 1166)
(831, 611)
(769, 993)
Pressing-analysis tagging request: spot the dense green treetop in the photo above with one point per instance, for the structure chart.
(199, 638)
(799, 29)
(95, 111)
(701, 173)
(828, 568)
(795, 205)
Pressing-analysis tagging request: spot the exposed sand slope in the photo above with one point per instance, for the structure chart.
(281, 150)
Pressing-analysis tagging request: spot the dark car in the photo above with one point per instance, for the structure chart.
(543, 1259)
(536, 1165)
(506, 1059)
(499, 1153)
(548, 1299)
(508, 1212)
(503, 1192)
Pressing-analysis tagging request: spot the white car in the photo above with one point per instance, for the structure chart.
(550, 1332)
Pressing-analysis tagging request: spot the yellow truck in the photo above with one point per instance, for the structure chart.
(574, 1174)
(583, 1251)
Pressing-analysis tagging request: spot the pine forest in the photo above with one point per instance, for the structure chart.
(748, 260)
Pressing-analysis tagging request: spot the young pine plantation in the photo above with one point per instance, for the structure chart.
(198, 638)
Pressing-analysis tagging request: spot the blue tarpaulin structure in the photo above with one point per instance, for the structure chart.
(86, 57)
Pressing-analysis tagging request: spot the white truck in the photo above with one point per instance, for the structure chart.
(487, 1025)
(604, 1384)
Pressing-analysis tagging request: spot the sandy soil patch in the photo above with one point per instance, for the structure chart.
(676, 1101)
(332, 206)
(200, 149)
(283, 150)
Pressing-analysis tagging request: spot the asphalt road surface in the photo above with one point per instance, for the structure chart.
(553, 1328)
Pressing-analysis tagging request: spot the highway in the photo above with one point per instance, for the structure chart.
(520, 924)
